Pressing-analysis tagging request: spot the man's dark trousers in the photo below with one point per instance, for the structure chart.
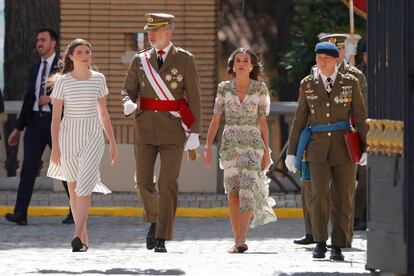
(36, 138)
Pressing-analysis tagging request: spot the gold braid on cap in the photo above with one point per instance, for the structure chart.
(332, 40)
(158, 24)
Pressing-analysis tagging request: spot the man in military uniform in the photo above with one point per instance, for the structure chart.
(360, 220)
(306, 198)
(343, 67)
(326, 103)
(162, 87)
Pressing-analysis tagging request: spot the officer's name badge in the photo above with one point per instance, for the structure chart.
(312, 97)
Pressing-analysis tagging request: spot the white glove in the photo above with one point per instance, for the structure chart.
(290, 162)
(350, 51)
(192, 142)
(129, 107)
(363, 161)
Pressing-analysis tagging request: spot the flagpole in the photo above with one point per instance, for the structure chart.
(351, 28)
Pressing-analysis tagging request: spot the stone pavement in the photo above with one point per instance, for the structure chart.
(117, 247)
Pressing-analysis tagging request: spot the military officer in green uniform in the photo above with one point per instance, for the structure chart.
(162, 87)
(343, 67)
(326, 103)
(360, 220)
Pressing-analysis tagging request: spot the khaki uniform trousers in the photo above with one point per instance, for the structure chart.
(361, 194)
(159, 205)
(360, 202)
(306, 198)
(340, 181)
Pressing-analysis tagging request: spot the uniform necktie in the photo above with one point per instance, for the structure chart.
(42, 89)
(160, 61)
(329, 85)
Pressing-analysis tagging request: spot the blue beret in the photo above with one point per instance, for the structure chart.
(327, 48)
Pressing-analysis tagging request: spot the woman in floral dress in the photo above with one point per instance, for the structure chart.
(244, 152)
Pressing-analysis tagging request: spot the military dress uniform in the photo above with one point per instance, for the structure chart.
(158, 131)
(343, 67)
(330, 164)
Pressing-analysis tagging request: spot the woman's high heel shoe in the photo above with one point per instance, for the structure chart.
(77, 244)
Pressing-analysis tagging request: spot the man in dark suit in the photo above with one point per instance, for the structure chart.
(36, 117)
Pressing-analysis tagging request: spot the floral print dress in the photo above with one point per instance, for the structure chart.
(242, 148)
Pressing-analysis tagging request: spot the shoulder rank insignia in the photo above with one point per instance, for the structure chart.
(184, 51)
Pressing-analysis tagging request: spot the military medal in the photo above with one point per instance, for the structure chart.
(174, 71)
(168, 77)
(174, 85)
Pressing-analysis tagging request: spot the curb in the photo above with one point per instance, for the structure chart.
(133, 212)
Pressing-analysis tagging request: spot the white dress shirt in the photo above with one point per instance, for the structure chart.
(325, 78)
(166, 50)
(38, 80)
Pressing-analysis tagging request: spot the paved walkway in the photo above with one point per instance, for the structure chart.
(117, 247)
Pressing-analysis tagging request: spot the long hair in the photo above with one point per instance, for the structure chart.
(67, 64)
(257, 67)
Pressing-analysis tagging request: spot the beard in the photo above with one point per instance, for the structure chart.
(43, 50)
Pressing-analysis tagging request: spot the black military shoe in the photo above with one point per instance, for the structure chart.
(16, 218)
(360, 225)
(151, 237)
(319, 250)
(160, 246)
(336, 254)
(307, 239)
(68, 219)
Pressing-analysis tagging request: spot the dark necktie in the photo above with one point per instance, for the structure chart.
(160, 61)
(329, 85)
(42, 89)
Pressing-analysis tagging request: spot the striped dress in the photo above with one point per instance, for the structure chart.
(81, 138)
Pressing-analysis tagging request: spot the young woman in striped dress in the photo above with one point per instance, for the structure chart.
(77, 138)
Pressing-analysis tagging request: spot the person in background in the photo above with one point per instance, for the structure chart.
(35, 117)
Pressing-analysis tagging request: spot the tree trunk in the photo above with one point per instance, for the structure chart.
(23, 18)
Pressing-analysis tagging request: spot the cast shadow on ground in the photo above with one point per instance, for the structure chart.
(277, 273)
(116, 271)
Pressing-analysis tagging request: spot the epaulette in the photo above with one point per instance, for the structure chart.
(353, 69)
(349, 76)
(306, 79)
(183, 51)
